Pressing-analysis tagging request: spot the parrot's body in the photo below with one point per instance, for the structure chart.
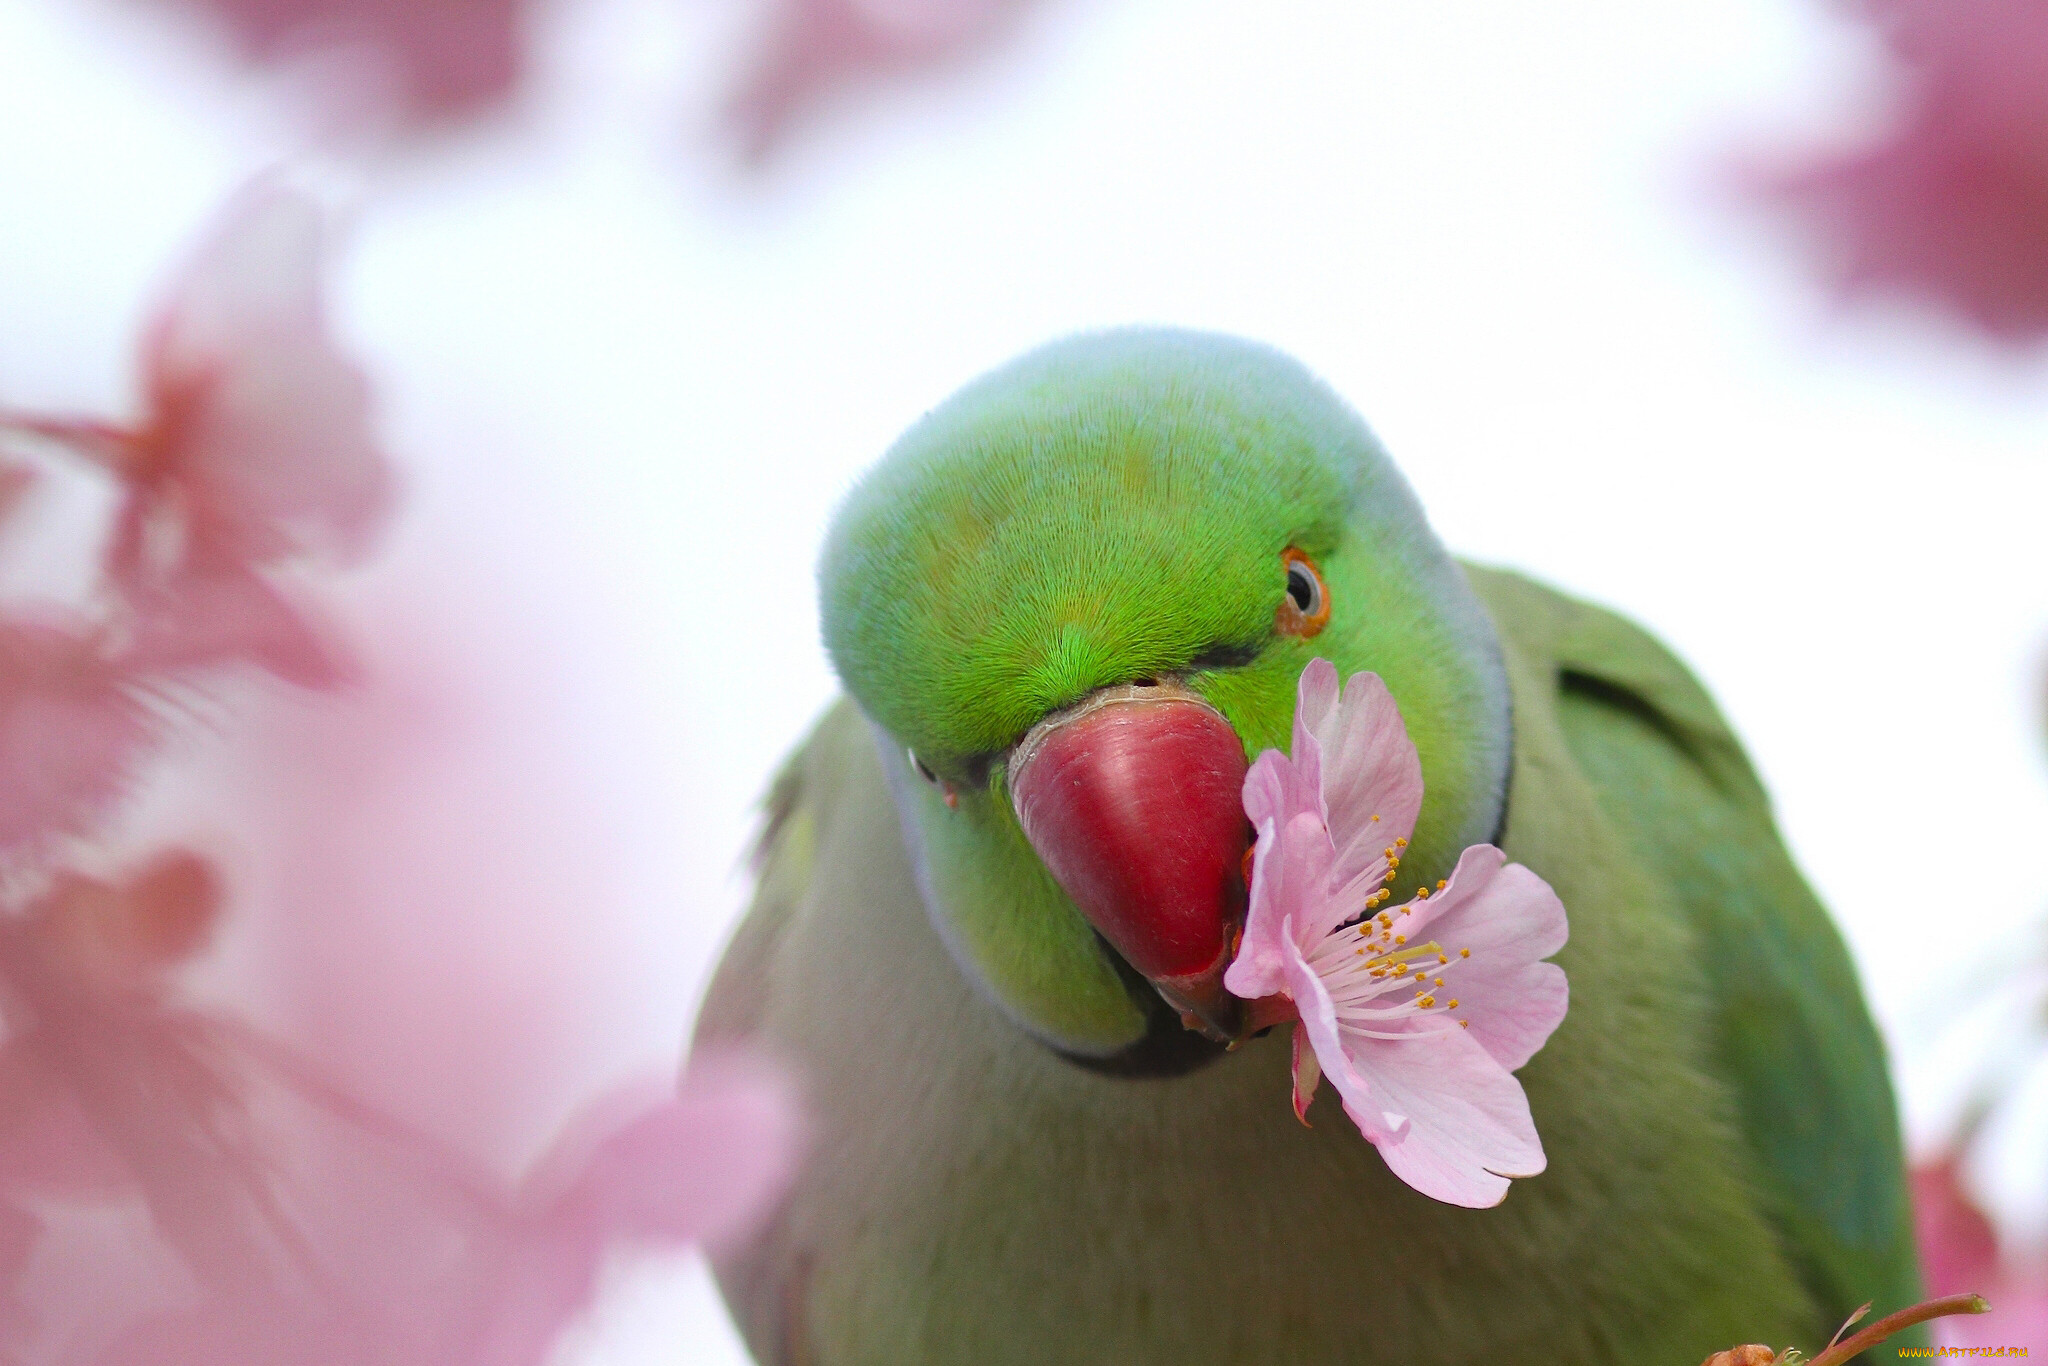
(990, 1183)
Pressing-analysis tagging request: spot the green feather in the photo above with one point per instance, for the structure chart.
(1791, 1029)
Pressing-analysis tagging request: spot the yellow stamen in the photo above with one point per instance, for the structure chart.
(1402, 959)
(1401, 840)
(1464, 1024)
(1422, 893)
(1453, 1005)
(1441, 883)
(1464, 953)
(1426, 1002)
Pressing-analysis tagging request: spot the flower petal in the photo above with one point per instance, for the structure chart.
(1510, 919)
(109, 940)
(814, 46)
(1371, 778)
(233, 615)
(418, 63)
(15, 481)
(1319, 1025)
(48, 1145)
(1315, 697)
(702, 1164)
(260, 423)
(1278, 788)
(1308, 1073)
(1446, 1116)
(70, 731)
(1290, 911)
(1468, 1126)
(1958, 1246)
(1950, 200)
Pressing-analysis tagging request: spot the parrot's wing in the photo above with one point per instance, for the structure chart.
(1793, 1036)
(831, 780)
(783, 861)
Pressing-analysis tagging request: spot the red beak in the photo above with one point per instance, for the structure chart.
(1134, 800)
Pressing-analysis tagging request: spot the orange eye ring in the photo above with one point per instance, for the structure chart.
(1304, 608)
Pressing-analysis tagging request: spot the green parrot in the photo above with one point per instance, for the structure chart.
(1043, 1131)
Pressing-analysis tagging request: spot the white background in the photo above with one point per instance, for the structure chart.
(628, 384)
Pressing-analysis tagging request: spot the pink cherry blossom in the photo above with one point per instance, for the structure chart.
(1951, 200)
(254, 455)
(1958, 1246)
(1418, 1013)
(1961, 1253)
(290, 1224)
(409, 1255)
(257, 435)
(428, 60)
(71, 726)
(15, 480)
(814, 45)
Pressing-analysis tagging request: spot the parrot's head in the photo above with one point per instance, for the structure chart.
(1074, 600)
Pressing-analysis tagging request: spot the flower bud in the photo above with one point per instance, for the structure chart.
(1750, 1354)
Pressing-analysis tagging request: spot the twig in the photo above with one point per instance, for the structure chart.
(1877, 1332)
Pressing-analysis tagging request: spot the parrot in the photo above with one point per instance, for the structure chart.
(998, 885)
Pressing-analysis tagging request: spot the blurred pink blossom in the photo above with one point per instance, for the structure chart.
(15, 480)
(407, 65)
(1958, 1247)
(177, 1185)
(415, 61)
(1960, 1253)
(305, 1228)
(1951, 200)
(71, 726)
(254, 454)
(256, 438)
(812, 46)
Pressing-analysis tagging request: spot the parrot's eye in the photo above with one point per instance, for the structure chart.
(1306, 608)
(924, 771)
